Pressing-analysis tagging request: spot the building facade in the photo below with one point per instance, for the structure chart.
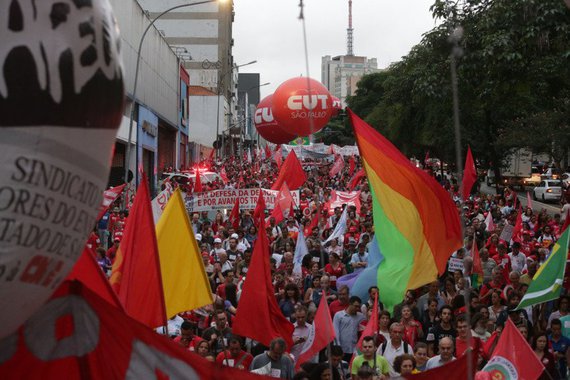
(158, 137)
(341, 74)
(201, 36)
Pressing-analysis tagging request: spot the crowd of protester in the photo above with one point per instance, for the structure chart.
(432, 326)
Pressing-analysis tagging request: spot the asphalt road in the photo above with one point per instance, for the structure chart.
(552, 208)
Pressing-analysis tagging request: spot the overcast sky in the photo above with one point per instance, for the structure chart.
(270, 32)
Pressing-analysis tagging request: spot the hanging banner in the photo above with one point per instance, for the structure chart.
(339, 198)
(159, 203)
(226, 199)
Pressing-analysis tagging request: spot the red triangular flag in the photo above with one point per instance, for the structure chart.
(223, 175)
(528, 200)
(136, 276)
(356, 179)
(351, 165)
(513, 353)
(321, 333)
(89, 273)
(292, 172)
(469, 175)
(267, 152)
(371, 328)
(259, 212)
(198, 183)
(477, 275)
(490, 226)
(109, 196)
(258, 298)
(489, 345)
(234, 215)
(278, 157)
(337, 166)
(283, 204)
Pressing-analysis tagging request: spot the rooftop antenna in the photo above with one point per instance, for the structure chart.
(349, 30)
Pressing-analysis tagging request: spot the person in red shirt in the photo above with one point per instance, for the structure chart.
(187, 339)
(527, 245)
(341, 303)
(93, 242)
(497, 282)
(234, 356)
(464, 337)
(111, 252)
(334, 269)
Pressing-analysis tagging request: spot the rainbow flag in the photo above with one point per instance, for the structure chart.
(416, 222)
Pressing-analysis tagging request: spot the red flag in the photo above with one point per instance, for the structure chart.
(278, 157)
(259, 212)
(258, 298)
(292, 171)
(234, 215)
(356, 179)
(211, 155)
(513, 357)
(489, 345)
(337, 166)
(528, 200)
(224, 175)
(198, 183)
(90, 339)
(351, 165)
(88, 271)
(283, 204)
(321, 333)
(109, 196)
(267, 152)
(314, 223)
(371, 328)
(136, 274)
(456, 369)
(517, 231)
(469, 175)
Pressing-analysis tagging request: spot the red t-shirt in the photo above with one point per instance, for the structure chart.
(336, 306)
(461, 346)
(334, 273)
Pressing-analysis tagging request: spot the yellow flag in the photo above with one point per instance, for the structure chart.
(184, 280)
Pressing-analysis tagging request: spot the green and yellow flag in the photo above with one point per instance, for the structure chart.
(547, 282)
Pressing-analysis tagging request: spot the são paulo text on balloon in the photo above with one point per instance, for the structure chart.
(302, 106)
(267, 126)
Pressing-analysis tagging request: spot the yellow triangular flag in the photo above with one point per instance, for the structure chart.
(184, 280)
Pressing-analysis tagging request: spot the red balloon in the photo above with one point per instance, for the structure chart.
(266, 125)
(336, 105)
(300, 111)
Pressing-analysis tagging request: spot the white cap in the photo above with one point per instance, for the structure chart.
(199, 237)
(217, 240)
(234, 236)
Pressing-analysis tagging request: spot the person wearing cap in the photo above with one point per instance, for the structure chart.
(359, 260)
(527, 245)
(352, 234)
(217, 249)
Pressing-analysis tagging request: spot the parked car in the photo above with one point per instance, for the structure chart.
(548, 190)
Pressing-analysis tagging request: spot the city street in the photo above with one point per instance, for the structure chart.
(552, 208)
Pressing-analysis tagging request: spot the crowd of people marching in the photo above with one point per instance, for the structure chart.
(432, 325)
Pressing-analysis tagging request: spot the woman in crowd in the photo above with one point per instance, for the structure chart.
(412, 328)
(334, 269)
(291, 297)
(405, 364)
(497, 305)
(540, 347)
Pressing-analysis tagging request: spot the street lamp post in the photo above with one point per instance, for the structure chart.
(128, 158)
(220, 79)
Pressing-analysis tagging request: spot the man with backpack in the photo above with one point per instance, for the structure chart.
(395, 346)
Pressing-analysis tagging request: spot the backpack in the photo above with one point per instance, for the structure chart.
(385, 344)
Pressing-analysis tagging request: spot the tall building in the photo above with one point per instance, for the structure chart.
(248, 98)
(341, 74)
(201, 36)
